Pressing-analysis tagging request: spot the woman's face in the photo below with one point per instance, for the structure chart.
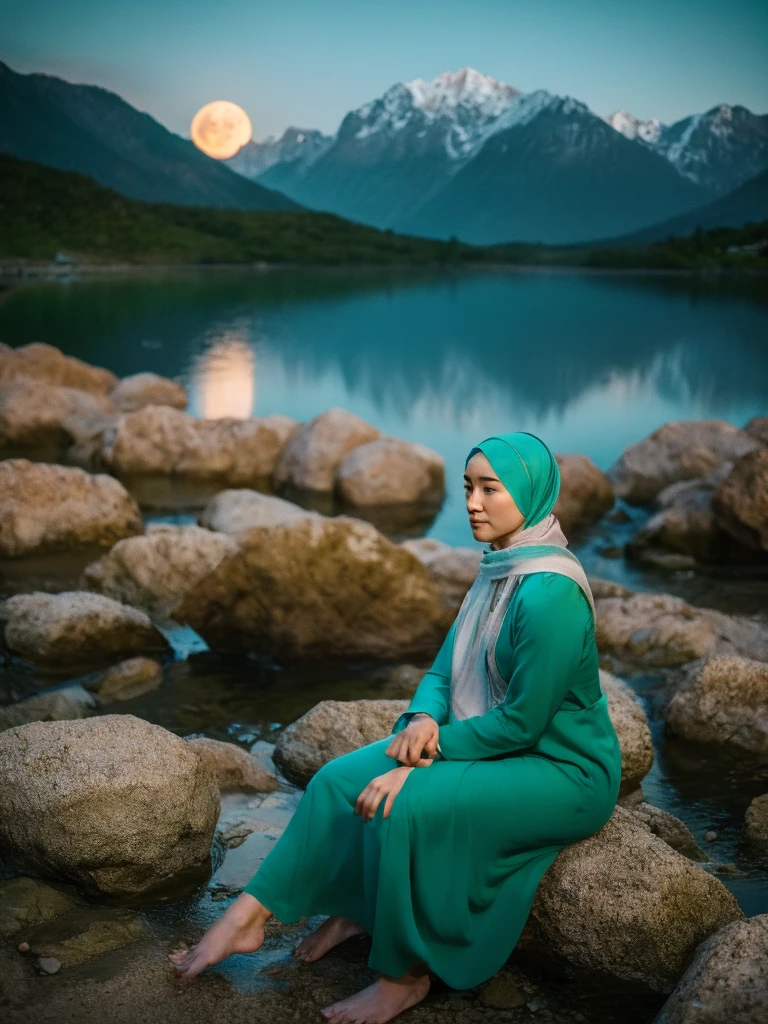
(493, 514)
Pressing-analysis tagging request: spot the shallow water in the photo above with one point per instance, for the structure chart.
(591, 363)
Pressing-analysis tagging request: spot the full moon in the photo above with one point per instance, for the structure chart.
(220, 129)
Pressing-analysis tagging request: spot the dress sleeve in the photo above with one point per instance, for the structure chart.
(433, 694)
(548, 631)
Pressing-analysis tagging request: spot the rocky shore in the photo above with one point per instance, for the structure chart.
(119, 836)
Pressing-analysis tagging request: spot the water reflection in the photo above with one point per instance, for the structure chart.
(224, 376)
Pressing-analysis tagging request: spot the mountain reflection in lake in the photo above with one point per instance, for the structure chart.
(590, 362)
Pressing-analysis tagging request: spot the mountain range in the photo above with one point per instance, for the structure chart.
(462, 155)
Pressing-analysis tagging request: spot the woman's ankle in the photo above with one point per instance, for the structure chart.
(253, 908)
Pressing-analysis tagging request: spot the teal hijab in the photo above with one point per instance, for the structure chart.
(528, 470)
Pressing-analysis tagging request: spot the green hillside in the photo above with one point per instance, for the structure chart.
(45, 211)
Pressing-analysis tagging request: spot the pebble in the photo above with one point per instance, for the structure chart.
(48, 964)
(534, 1005)
(23, 947)
(709, 836)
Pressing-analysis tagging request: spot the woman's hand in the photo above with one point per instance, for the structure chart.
(387, 785)
(419, 737)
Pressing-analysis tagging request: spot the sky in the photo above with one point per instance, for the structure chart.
(288, 62)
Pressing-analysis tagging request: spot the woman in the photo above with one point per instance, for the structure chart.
(506, 755)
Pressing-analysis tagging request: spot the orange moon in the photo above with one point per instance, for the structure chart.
(220, 129)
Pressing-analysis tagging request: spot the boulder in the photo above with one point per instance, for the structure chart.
(672, 830)
(142, 389)
(677, 451)
(740, 503)
(389, 471)
(234, 769)
(57, 704)
(113, 804)
(161, 439)
(330, 729)
(649, 630)
(727, 979)
(722, 701)
(452, 568)
(156, 570)
(318, 588)
(586, 492)
(49, 508)
(312, 456)
(75, 629)
(45, 363)
(758, 428)
(130, 678)
(33, 413)
(234, 511)
(755, 829)
(607, 588)
(629, 720)
(624, 903)
(27, 902)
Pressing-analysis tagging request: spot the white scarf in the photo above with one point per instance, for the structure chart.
(476, 683)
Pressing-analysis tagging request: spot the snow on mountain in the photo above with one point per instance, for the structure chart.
(298, 146)
(634, 127)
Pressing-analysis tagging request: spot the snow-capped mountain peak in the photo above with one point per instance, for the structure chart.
(648, 130)
(466, 87)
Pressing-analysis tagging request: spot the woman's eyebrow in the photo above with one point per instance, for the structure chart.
(492, 478)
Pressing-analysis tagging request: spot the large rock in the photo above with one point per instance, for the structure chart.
(33, 413)
(660, 630)
(234, 769)
(586, 492)
(727, 980)
(453, 569)
(49, 508)
(672, 830)
(622, 902)
(55, 705)
(330, 729)
(113, 804)
(42, 362)
(758, 427)
(235, 511)
(128, 679)
(740, 504)
(389, 471)
(677, 451)
(755, 829)
(147, 389)
(722, 701)
(318, 588)
(75, 629)
(156, 570)
(311, 458)
(629, 720)
(160, 439)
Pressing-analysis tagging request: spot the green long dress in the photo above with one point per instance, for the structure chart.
(450, 876)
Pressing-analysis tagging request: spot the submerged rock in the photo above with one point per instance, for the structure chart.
(160, 439)
(76, 628)
(42, 362)
(330, 729)
(86, 933)
(113, 804)
(49, 508)
(660, 630)
(740, 504)
(677, 451)
(727, 979)
(631, 724)
(318, 588)
(313, 454)
(389, 471)
(156, 570)
(234, 769)
(236, 510)
(722, 700)
(143, 389)
(26, 903)
(586, 492)
(55, 705)
(622, 902)
(130, 678)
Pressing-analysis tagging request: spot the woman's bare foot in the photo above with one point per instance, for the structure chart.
(381, 1001)
(240, 929)
(329, 934)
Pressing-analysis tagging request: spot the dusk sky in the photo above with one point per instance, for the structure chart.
(306, 64)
